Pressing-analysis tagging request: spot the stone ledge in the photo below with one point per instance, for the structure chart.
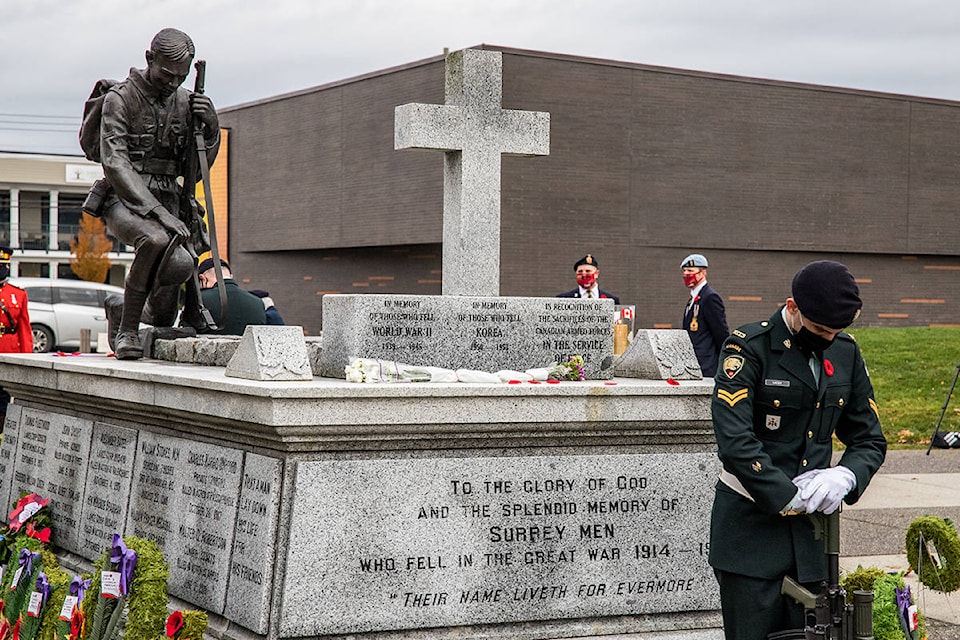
(216, 351)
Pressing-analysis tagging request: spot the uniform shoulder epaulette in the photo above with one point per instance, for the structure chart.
(739, 337)
(843, 335)
(13, 286)
(752, 330)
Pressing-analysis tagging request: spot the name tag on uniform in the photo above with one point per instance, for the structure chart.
(773, 423)
(776, 383)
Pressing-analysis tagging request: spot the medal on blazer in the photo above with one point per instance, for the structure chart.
(694, 325)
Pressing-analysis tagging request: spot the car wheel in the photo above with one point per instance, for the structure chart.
(43, 341)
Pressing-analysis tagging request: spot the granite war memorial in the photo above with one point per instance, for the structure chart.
(317, 507)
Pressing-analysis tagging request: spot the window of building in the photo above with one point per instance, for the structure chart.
(5, 217)
(34, 219)
(70, 211)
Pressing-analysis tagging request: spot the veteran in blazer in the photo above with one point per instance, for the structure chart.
(785, 386)
(704, 317)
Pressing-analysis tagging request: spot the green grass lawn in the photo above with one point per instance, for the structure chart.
(912, 369)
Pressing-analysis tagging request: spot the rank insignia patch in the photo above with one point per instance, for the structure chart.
(873, 405)
(739, 334)
(732, 366)
(732, 398)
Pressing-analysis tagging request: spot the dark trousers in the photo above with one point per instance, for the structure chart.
(753, 607)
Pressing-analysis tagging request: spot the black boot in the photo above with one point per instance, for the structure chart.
(113, 307)
(128, 346)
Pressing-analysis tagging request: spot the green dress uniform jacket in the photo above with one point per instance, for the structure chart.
(773, 422)
(243, 308)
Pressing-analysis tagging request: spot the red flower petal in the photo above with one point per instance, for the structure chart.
(673, 382)
(827, 367)
(174, 624)
(552, 381)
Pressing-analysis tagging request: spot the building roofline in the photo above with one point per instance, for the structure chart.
(715, 75)
(603, 62)
(48, 157)
(335, 83)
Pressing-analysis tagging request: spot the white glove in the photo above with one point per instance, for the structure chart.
(794, 507)
(825, 490)
(796, 504)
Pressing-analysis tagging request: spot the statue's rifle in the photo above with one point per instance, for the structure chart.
(201, 67)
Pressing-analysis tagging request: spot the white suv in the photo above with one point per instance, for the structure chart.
(59, 308)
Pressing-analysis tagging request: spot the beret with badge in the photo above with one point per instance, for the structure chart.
(588, 260)
(826, 293)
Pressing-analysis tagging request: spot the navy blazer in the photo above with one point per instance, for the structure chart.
(711, 329)
(575, 293)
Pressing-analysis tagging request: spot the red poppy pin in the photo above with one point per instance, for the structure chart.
(827, 367)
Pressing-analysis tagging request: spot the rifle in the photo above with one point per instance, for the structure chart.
(201, 67)
(202, 319)
(827, 614)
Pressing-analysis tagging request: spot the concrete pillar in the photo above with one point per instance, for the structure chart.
(54, 217)
(15, 218)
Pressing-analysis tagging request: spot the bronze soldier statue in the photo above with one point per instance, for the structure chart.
(146, 147)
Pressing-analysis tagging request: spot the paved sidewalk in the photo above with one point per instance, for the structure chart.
(872, 532)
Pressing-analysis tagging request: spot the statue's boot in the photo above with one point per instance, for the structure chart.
(128, 346)
(113, 307)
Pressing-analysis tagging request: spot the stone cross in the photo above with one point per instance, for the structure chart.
(474, 130)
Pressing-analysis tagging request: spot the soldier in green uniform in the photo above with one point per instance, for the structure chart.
(785, 386)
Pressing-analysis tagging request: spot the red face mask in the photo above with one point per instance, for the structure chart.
(586, 280)
(690, 279)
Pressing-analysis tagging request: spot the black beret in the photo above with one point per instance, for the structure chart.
(207, 264)
(826, 293)
(587, 260)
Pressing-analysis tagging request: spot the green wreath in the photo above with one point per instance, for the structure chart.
(923, 535)
(886, 614)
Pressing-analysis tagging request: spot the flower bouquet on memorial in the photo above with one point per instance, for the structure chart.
(572, 369)
(372, 370)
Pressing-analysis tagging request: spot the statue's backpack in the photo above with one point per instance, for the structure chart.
(92, 114)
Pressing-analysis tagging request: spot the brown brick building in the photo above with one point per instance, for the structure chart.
(646, 165)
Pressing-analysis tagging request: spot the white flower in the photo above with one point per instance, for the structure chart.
(354, 371)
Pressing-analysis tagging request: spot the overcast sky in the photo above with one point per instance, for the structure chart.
(54, 50)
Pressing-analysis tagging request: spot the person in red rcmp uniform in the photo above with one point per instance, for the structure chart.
(16, 336)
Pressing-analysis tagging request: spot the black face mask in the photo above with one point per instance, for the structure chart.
(809, 342)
